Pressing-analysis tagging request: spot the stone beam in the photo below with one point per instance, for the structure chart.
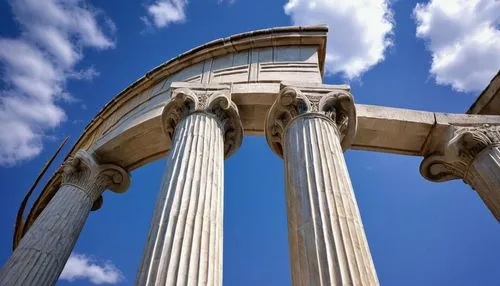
(392, 130)
(139, 139)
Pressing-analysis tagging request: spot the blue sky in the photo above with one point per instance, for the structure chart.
(64, 60)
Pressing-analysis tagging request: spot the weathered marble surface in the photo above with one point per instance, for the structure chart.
(484, 176)
(40, 257)
(309, 128)
(42, 253)
(326, 236)
(184, 245)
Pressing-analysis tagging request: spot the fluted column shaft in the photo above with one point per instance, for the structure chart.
(44, 250)
(185, 241)
(42, 253)
(184, 245)
(484, 177)
(310, 127)
(327, 241)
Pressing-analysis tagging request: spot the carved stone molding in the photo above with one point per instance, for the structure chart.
(336, 105)
(463, 145)
(213, 102)
(83, 172)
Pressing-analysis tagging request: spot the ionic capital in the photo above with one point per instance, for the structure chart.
(463, 144)
(83, 172)
(217, 103)
(335, 105)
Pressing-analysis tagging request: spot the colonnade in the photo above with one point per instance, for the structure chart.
(309, 128)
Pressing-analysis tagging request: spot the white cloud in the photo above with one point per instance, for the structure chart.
(360, 31)
(464, 40)
(164, 12)
(36, 65)
(80, 266)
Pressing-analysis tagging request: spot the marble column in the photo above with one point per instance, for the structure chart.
(42, 253)
(470, 153)
(184, 245)
(327, 242)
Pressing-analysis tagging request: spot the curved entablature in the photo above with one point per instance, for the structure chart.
(268, 56)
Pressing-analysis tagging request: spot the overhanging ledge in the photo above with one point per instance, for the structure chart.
(488, 102)
(380, 129)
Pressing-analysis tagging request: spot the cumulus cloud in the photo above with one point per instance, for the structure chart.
(35, 66)
(464, 40)
(163, 12)
(360, 31)
(80, 266)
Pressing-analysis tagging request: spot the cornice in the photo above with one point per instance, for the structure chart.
(274, 37)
